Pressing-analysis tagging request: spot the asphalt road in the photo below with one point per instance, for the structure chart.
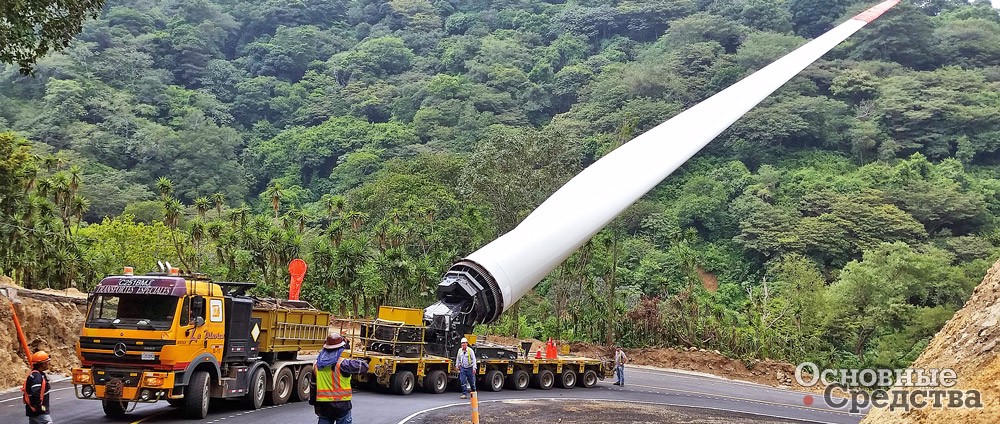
(643, 385)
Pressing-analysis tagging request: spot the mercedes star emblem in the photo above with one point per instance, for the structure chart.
(120, 349)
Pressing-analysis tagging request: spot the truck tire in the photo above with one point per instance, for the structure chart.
(114, 408)
(256, 390)
(518, 380)
(494, 380)
(436, 382)
(545, 379)
(589, 379)
(568, 379)
(402, 383)
(196, 395)
(283, 387)
(302, 384)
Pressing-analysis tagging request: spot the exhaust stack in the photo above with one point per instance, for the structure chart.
(480, 287)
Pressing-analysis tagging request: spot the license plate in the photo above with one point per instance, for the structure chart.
(148, 356)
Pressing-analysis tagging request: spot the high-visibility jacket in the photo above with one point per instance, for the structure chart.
(36, 403)
(332, 385)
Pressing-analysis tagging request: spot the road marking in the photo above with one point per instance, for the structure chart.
(21, 398)
(413, 415)
(717, 396)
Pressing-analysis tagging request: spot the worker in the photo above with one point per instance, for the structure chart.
(466, 362)
(36, 390)
(620, 360)
(331, 388)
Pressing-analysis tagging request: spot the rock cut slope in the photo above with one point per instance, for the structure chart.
(967, 344)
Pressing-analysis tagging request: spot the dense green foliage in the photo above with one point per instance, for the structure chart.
(31, 28)
(843, 220)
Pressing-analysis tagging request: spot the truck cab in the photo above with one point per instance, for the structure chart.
(185, 339)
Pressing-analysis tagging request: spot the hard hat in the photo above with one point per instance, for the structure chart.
(39, 356)
(334, 341)
(465, 340)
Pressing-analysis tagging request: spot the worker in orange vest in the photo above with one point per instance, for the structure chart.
(331, 388)
(36, 390)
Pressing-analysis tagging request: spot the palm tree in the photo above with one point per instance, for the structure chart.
(334, 205)
(80, 206)
(164, 186)
(219, 199)
(275, 193)
(197, 231)
(174, 210)
(202, 205)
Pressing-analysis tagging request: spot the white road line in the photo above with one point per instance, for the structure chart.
(21, 398)
(413, 415)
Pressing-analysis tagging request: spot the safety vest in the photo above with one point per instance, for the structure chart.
(41, 394)
(330, 389)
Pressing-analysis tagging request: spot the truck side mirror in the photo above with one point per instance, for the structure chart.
(199, 321)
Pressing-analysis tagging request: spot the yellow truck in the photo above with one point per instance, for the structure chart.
(185, 339)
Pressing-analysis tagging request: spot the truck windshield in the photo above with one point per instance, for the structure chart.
(138, 311)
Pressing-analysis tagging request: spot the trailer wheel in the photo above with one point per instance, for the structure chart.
(568, 379)
(435, 382)
(114, 408)
(518, 380)
(589, 379)
(494, 380)
(545, 380)
(254, 398)
(402, 383)
(302, 385)
(283, 385)
(196, 395)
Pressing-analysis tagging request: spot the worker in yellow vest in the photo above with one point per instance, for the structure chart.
(465, 360)
(331, 388)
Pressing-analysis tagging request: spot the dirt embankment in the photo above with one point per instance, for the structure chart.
(967, 344)
(52, 325)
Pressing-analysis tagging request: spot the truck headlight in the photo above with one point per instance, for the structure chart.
(87, 391)
(152, 381)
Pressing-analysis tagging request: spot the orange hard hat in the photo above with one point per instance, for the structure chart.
(39, 356)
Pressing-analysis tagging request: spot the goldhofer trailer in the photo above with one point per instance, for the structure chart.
(398, 356)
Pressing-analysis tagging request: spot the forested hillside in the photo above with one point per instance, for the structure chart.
(842, 221)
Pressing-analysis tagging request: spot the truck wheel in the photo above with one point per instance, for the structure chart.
(196, 395)
(254, 398)
(114, 408)
(435, 382)
(402, 383)
(545, 380)
(589, 379)
(568, 379)
(283, 385)
(518, 380)
(302, 385)
(494, 380)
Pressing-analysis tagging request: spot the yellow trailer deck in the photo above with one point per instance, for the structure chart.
(395, 349)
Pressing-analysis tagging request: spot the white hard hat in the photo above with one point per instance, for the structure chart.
(465, 340)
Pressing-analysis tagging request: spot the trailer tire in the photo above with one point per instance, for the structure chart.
(518, 380)
(303, 385)
(256, 390)
(568, 379)
(114, 408)
(589, 379)
(283, 387)
(494, 380)
(196, 395)
(436, 382)
(402, 383)
(545, 379)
